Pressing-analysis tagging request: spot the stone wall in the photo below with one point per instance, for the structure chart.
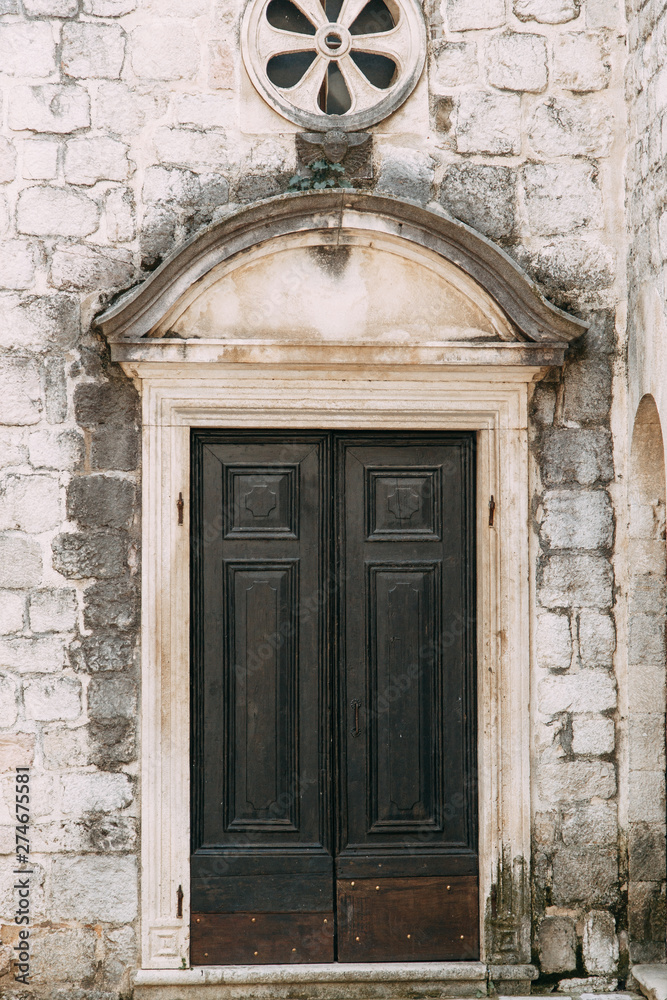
(128, 125)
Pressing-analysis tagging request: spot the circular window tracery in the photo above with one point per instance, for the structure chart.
(327, 64)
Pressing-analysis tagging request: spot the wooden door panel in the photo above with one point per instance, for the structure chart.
(254, 938)
(407, 789)
(408, 919)
(261, 841)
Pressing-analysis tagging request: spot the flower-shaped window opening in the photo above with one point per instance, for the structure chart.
(351, 60)
(346, 54)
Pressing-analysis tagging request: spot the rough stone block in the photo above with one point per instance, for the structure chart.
(557, 942)
(53, 610)
(90, 160)
(584, 691)
(464, 15)
(113, 743)
(488, 123)
(587, 394)
(7, 160)
(589, 823)
(34, 655)
(17, 750)
(114, 448)
(92, 50)
(517, 61)
(561, 197)
(106, 403)
(592, 735)
(547, 11)
(123, 111)
(221, 63)
(101, 501)
(81, 267)
(98, 792)
(600, 944)
(165, 50)
(101, 554)
(109, 8)
(119, 216)
(585, 875)
(482, 196)
(565, 581)
(103, 650)
(597, 638)
(453, 64)
(12, 612)
(571, 127)
(205, 110)
(646, 851)
(65, 748)
(112, 602)
(20, 390)
(646, 690)
(35, 322)
(111, 696)
(581, 61)
(646, 921)
(646, 742)
(576, 455)
(566, 266)
(646, 796)
(53, 211)
(50, 698)
(27, 44)
(159, 229)
(602, 13)
(8, 701)
(55, 386)
(17, 264)
(406, 173)
(190, 146)
(49, 108)
(20, 561)
(647, 639)
(30, 503)
(553, 642)
(576, 520)
(13, 449)
(94, 888)
(568, 781)
(171, 184)
(62, 450)
(66, 955)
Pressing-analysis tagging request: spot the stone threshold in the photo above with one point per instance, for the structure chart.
(652, 980)
(335, 981)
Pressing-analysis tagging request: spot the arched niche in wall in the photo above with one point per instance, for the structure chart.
(338, 310)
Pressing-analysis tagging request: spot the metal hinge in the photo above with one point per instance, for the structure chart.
(179, 507)
(179, 901)
(492, 510)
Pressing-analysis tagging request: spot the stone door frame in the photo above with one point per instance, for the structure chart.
(355, 400)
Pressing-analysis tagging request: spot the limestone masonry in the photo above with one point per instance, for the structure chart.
(130, 125)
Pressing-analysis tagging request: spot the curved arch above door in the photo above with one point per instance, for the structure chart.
(339, 277)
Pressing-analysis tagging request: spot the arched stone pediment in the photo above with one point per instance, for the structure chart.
(339, 277)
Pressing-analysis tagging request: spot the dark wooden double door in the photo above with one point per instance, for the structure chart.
(333, 692)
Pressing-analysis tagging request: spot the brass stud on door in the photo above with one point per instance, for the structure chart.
(293, 949)
(408, 935)
(255, 953)
(252, 920)
(197, 919)
(356, 939)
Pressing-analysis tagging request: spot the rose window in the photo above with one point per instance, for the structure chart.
(336, 63)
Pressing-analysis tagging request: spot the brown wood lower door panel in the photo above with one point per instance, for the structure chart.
(408, 919)
(261, 938)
